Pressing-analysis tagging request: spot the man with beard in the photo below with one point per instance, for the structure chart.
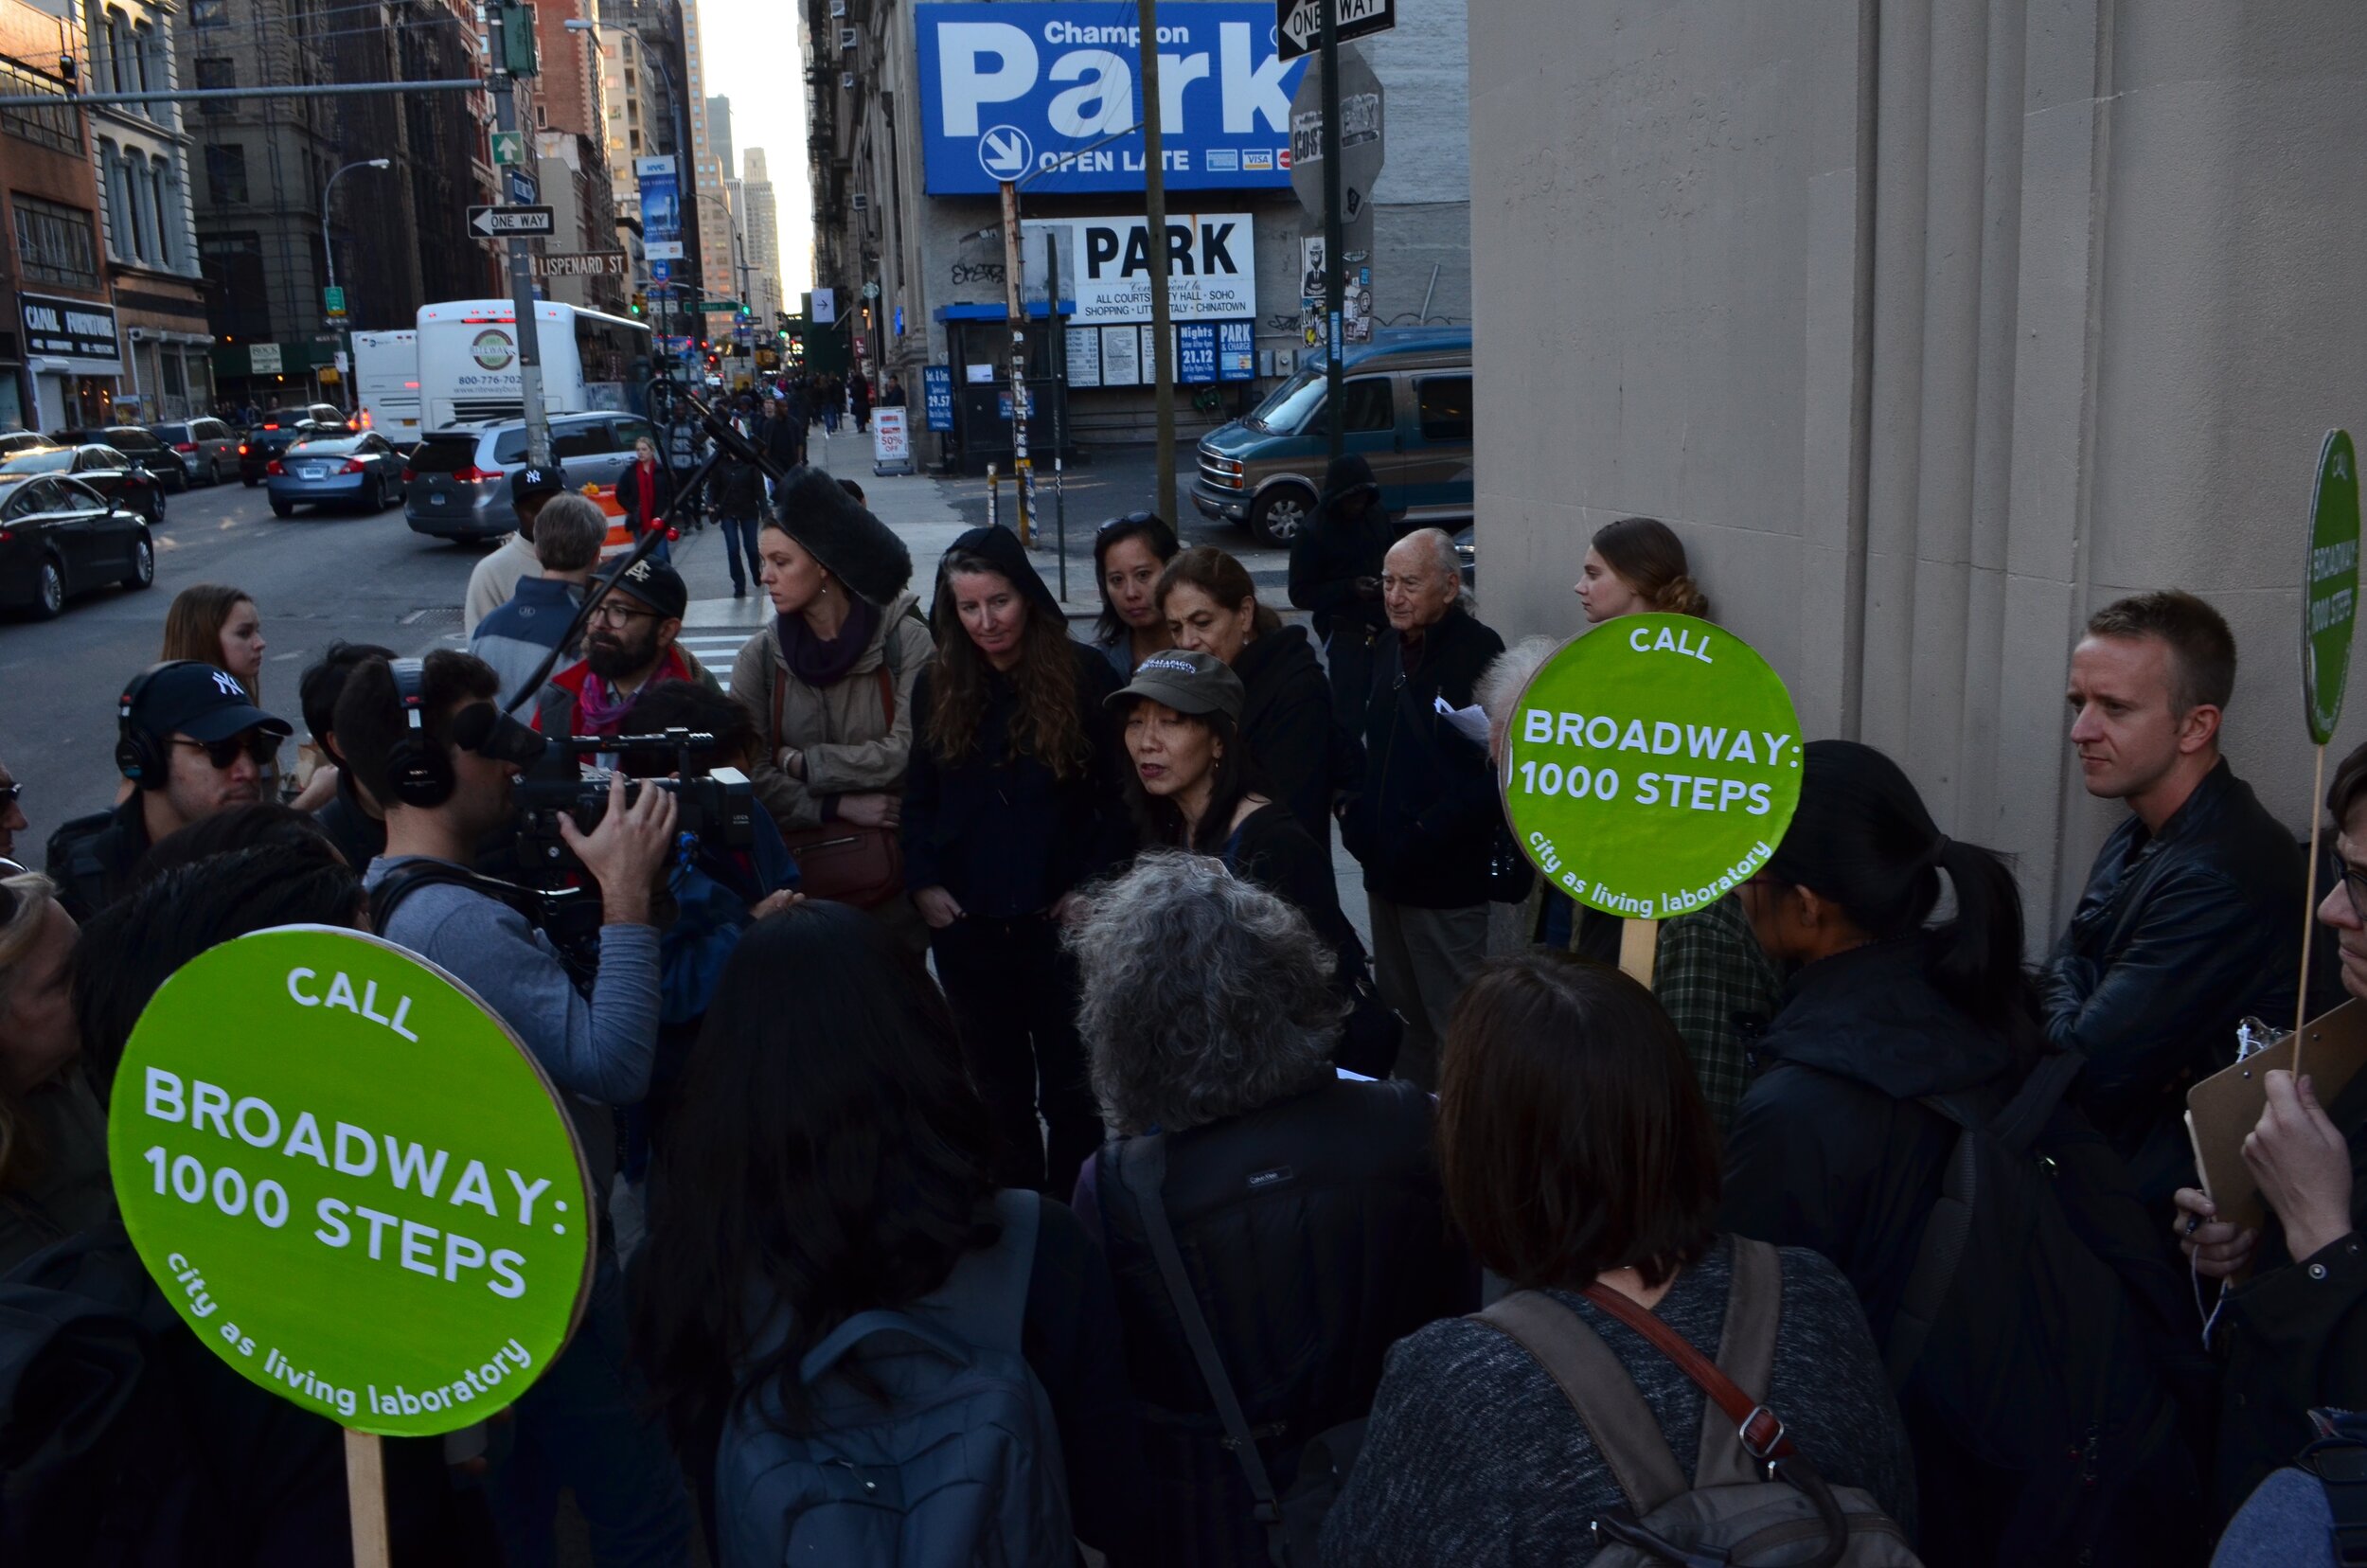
(630, 645)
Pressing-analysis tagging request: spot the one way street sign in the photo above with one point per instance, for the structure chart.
(1299, 24)
(517, 221)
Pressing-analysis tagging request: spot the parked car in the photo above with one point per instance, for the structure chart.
(59, 537)
(138, 443)
(281, 428)
(14, 441)
(459, 476)
(1408, 404)
(104, 469)
(209, 447)
(365, 472)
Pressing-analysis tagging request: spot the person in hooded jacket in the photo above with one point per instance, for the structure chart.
(830, 687)
(1012, 804)
(1834, 1148)
(1211, 607)
(1335, 573)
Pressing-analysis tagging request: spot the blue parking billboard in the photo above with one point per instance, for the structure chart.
(1237, 358)
(1196, 351)
(661, 209)
(1015, 87)
(936, 392)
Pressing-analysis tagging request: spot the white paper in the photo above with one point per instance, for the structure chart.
(1469, 722)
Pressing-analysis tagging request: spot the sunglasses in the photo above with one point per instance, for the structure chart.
(222, 754)
(1131, 520)
(10, 795)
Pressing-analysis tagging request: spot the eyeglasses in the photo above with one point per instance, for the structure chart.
(610, 612)
(10, 795)
(2355, 883)
(222, 754)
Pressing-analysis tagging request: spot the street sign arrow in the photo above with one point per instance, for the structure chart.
(1005, 152)
(1299, 24)
(516, 222)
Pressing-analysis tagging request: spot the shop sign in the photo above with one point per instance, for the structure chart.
(1105, 264)
(69, 328)
(351, 1181)
(1651, 766)
(1019, 89)
(937, 395)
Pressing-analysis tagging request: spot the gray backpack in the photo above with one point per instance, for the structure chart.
(1754, 1501)
(951, 1459)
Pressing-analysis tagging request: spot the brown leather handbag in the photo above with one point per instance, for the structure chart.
(844, 861)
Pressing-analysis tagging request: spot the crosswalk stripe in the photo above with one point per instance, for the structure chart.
(716, 650)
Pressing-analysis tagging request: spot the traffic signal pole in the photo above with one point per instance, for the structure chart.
(521, 267)
(1155, 219)
(1023, 477)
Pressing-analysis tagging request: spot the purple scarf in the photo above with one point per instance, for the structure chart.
(820, 663)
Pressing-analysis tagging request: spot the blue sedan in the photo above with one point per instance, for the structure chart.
(335, 471)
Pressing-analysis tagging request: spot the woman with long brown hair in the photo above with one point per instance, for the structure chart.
(1637, 566)
(217, 624)
(1010, 805)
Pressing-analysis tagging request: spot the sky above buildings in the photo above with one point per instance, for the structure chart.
(751, 59)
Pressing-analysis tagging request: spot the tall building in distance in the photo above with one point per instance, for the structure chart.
(761, 229)
(720, 135)
(716, 248)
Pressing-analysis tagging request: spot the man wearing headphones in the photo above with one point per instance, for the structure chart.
(193, 745)
(395, 723)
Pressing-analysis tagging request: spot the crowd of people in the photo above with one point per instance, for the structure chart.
(1021, 1114)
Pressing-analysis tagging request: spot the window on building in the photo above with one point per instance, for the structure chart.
(53, 244)
(225, 173)
(217, 71)
(209, 13)
(234, 264)
(144, 61)
(121, 69)
(164, 189)
(50, 127)
(118, 199)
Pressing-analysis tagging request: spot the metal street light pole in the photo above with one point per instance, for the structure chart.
(328, 259)
(1155, 219)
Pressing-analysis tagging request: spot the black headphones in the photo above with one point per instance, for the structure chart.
(138, 755)
(416, 765)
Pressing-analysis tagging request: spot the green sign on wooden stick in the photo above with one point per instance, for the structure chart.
(2330, 585)
(351, 1181)
(1651, 766)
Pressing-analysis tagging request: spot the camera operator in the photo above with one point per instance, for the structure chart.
(578, 1426)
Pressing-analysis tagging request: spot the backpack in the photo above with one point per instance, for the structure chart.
(951, 1458)
(1753, 1500)
(2075, 1354)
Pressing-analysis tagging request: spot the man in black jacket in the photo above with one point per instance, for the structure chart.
(2192, 913)
(1335, 573)
(1424, 823)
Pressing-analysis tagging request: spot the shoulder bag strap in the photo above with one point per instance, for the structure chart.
(1143, 1166)
(1942, 1250)
(1760, 1429)
(1625, 1431)
(1746, 1352)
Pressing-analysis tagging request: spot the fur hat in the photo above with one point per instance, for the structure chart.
(837, 530)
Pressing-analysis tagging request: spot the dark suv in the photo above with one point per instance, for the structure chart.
(138, 443)
(207, 445)
(281, 428)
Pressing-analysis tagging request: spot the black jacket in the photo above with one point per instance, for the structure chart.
(1423, 821)
(1314, 1234)
(629, 494)
(2295, 1335)
(1286, 717)
(92, 858)
(1273, 850)
(737, 488)
(2178, 936)
(1334, 549)
(999, 831)
(783, 436)
(359, 836)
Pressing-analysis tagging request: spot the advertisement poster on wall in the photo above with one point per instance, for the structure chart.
(1106, 263)
(1121, 356)
(661, 208)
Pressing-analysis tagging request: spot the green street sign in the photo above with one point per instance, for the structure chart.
(351, 1181)
(334, 299)
(2330, 585)
(509, 146)
(1651, 766)
(720, 307)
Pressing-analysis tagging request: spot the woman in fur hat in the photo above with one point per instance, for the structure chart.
(829, 684)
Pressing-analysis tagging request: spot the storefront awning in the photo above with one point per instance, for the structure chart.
(998, 313)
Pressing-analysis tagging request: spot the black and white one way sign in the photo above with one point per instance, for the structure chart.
(1299, 24)
(497, 221)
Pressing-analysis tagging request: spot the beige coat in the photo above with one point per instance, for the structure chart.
(852, 747)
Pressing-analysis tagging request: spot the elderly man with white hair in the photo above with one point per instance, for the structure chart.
(1424, 823)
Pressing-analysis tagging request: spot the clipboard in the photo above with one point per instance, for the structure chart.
(2222, 1110)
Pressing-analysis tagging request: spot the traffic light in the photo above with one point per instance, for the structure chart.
(745, 312)
(640, 304)
(518, 55)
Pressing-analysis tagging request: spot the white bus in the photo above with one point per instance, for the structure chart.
(469, 360)
(387, 385)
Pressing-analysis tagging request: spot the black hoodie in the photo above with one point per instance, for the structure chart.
(999, 830)
(1285, 718)
(1333, 550)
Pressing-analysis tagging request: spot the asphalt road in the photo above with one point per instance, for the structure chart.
(316, 576)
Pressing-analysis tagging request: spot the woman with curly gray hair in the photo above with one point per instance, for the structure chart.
(1288, 1219)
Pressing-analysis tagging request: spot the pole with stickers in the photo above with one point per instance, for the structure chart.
(1649, 769)
(355, 1187)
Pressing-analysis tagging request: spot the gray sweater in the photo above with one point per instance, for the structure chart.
(1473, 1455)
(601, 1048)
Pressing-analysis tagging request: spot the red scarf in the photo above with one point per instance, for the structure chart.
(647, 501)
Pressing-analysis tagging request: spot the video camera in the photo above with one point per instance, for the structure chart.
(715, 808)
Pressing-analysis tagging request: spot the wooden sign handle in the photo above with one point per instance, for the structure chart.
(1639, 947)
(2309, 908)
(366, 1499)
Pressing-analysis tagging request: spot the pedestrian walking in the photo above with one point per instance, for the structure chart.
(736, 487)
(859, 399)
(646, 492)
(1011, 805)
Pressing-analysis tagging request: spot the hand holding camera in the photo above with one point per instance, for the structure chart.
(626, 850)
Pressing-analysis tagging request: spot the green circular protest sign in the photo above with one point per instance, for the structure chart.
(350, 1179)
(1651, 766)
(2330, 585)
